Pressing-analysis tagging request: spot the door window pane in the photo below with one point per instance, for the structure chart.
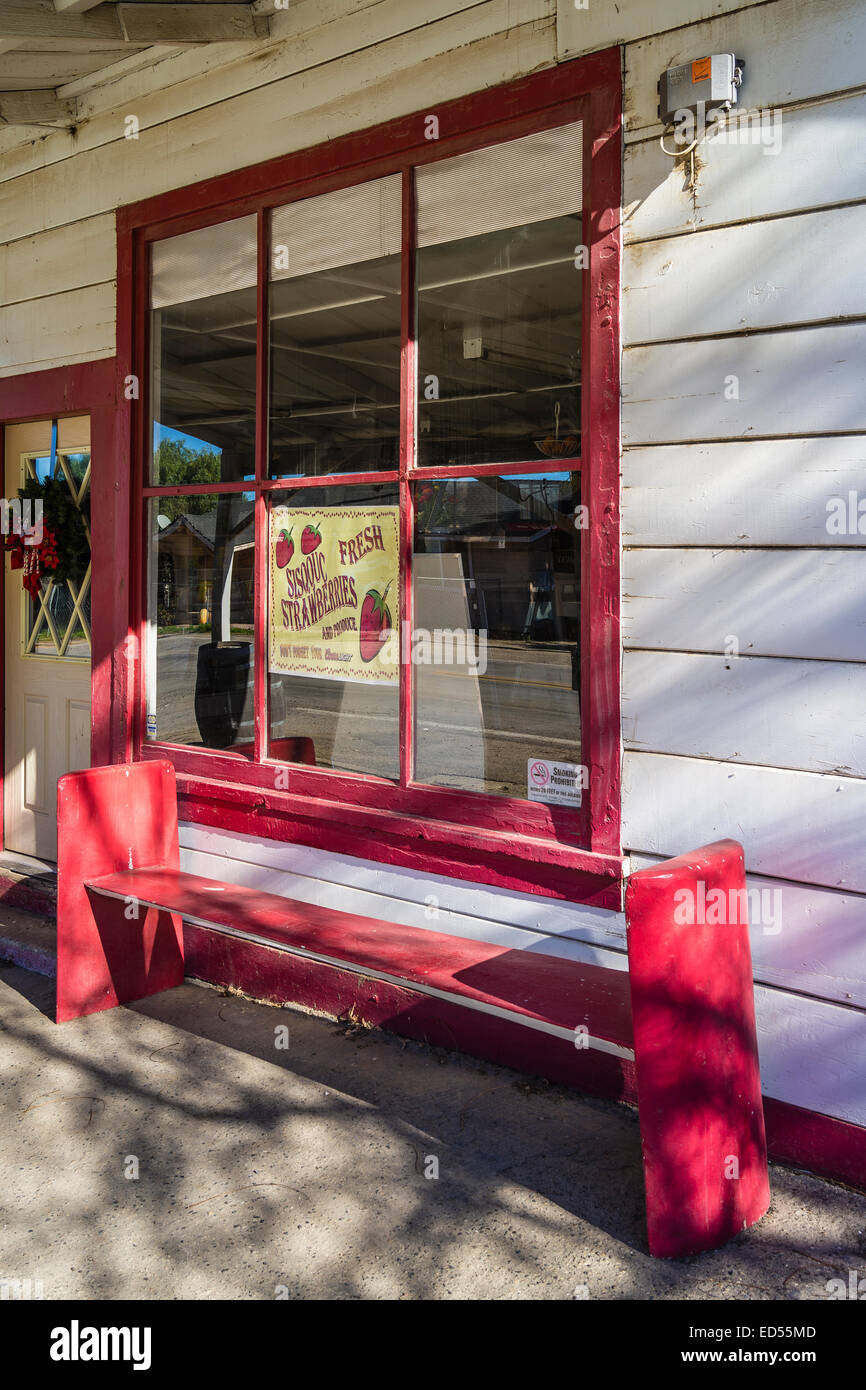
(57, 620)
(496, 630)
(203, 355)
(200, 632)
(499, 288)
(335, 332)
(334, 624)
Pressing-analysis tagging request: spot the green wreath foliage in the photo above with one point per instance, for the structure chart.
(61, 516)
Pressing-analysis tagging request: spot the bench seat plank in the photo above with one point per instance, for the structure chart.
(560, 992)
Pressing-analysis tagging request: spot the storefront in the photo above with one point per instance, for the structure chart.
(351, 478)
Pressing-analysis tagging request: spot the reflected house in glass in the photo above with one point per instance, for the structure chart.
(204, 581)
(201, 582)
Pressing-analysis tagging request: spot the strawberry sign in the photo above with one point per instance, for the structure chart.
(334, 608)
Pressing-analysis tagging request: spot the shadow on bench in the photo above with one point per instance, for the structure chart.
(682, 1016)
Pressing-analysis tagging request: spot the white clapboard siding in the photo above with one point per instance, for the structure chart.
(758, 275)
(812, 1050)
(755, 492)
(807, 381)
(740, 183)
(68, 258)
(799, 714)
(585, 24)
(308, 872)
(61, 328)
(804, 938)
(792, 52)
(287, 115)
(804, 826)
(800, 603)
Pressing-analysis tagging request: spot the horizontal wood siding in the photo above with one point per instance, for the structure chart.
(797, 714)
(807, 381)
(804, 826)
(741, 182)
(763, 492)
(791, 602)
(758, 275)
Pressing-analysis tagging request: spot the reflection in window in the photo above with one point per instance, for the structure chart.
(335, 332)
(200, 649)
(499, 303)
(203, 355)
(496, 639)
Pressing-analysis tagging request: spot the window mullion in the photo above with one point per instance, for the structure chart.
(407, 459)
(260, 590)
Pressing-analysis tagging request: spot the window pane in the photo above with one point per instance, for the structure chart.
(496, 636)
(203, 355)
(334, 621)
(199, 677)
(499, 286)
(335, 332)
(57, 621)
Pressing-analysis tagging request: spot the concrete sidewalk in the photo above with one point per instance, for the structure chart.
(302, 1172)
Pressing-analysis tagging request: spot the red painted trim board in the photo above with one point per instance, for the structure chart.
(90, 388)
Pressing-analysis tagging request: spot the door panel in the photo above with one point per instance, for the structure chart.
(47, 651)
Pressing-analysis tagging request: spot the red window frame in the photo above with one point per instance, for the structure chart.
(574, 855)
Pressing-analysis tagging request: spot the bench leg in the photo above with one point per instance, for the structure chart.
(696, 1052)
(108, 952)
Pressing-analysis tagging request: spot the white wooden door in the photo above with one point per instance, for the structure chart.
(47, 649)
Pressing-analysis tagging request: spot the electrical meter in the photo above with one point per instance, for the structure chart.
(700, 85)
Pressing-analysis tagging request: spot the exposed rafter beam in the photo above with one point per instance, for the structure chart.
(135, 24)
(33, 108)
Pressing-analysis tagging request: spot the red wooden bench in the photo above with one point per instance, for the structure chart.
(684, 1010)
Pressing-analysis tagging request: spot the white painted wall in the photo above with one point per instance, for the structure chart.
(745, 263)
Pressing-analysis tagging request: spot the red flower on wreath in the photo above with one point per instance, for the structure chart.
(33, 559)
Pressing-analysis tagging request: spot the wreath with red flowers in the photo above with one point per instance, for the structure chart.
(33, 559)
(60, 546)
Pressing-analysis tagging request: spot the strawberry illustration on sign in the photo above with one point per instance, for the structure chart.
(375, 623)
(285, 549)
(310, 540)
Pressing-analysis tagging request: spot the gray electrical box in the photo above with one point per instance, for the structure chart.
(700, 85)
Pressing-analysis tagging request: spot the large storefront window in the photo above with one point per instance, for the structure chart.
(366, 486)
